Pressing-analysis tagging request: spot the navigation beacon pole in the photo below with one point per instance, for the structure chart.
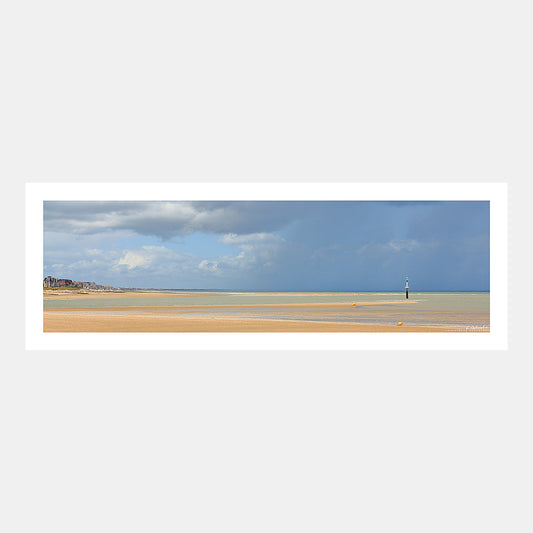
(406, 288)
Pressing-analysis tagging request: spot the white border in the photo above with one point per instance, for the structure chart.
(496, 193)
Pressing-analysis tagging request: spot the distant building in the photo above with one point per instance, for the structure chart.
(49, 281)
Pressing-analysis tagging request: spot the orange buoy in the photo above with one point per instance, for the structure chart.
(353, 305)
(400, 323)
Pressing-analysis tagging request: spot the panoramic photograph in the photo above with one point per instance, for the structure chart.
(266, 266)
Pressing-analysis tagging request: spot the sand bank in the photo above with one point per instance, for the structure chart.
(82, 294)
(91, 321)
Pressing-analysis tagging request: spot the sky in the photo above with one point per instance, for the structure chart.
(270, 245)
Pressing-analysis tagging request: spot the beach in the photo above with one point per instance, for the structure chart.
(162, 311)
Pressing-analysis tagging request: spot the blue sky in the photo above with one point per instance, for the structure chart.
(308, 245)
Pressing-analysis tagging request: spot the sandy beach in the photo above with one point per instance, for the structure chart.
(182, 316)
(92, 321)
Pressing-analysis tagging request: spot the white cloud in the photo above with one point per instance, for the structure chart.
(209, 266)
(257, 249)
(134, 260)
(161, 261)
(392, 246)
(403, 246)
(157, 259)
(250, 239)
(228, 264)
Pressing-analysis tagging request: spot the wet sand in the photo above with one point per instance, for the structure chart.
(91, 321)
(84, 294)
(181, 316)
(162, 309)
(212, 319)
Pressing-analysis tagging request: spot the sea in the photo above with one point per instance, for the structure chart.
(463, 310)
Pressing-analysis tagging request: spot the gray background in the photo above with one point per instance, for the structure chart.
(258, 441)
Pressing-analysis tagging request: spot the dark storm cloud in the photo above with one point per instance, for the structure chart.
(57, 210)
(168, 219)
(450, 220)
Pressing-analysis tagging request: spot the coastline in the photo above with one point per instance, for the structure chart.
(76, 294)
(177, 312)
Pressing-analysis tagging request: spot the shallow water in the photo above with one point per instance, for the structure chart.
(461, 309)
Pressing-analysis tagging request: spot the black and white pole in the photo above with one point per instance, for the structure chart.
(406, 288)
